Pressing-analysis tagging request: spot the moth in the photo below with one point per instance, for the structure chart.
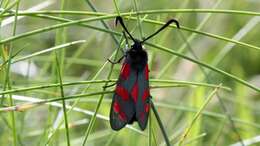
(131, 99)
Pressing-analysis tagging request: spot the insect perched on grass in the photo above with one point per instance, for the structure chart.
(131, 100)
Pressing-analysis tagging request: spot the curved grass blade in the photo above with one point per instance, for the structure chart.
(211, 95)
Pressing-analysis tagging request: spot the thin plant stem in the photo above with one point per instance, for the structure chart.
(63, 100)
(15, 3)
(224, 108)
(155, 81)
(143, 12)
(93, 118)
(189, 39)
(167, 141)
(193, 60)
(207, 66)
(102, 21)
(138, 19)
(208, 99)
(66, 24)
(8, 78)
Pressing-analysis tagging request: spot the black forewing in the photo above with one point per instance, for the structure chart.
(143, 101)
(123, 108)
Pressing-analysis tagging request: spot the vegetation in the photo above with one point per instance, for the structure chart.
(204, 77)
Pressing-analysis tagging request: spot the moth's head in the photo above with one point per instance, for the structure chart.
(137, 45)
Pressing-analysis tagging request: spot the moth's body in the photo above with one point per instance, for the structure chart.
(131, 99)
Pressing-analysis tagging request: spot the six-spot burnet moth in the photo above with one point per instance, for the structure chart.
(131, 100)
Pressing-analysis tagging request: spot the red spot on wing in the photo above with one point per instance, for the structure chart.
(125, 71)
(122, 92)
(145, 95)
(147, 107)
(134, 92)
(117, 109)
(146, 72)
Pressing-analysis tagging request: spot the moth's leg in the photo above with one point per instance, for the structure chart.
(118, 61)
(123, 51)
(107, 86)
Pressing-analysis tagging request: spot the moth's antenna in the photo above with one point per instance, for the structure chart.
(162, 28)
(118, 18)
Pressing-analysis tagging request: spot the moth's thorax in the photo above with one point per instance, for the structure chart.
(137, 56)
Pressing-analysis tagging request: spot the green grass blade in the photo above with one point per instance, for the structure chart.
(48, 50)
(167, 141)
(208, 99)
(207, 66)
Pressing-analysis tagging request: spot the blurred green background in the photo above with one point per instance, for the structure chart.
(40, 49)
